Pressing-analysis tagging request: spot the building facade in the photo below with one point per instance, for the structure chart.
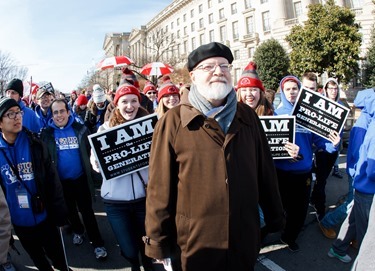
(240, 24)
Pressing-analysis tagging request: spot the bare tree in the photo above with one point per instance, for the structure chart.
(10, 69)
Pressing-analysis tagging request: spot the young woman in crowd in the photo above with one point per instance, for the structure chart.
(125, 197)
(168, 97)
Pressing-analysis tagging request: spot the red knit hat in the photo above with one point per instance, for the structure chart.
(129, 77)
(74, 92)
(81, 100)
(166, 89)
(126, 89)
(149, 86)
(249, 77)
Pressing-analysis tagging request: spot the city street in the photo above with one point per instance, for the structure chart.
(311, 257)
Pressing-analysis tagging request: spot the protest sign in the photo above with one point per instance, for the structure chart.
(318, 113)
(279, 130)
(125, 148)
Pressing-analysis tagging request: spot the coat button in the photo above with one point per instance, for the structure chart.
(226, 180)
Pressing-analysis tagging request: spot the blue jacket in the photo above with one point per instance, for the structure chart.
(30, 156)
(29, 119)
(42, 120)
(303, 138)
(364, 166)
(365, 100)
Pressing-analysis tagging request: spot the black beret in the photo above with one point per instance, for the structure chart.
(16, 85)
(7, 103)
(205, 51)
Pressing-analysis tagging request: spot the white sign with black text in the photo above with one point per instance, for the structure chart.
(125, 148)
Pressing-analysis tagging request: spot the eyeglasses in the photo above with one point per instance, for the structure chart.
(13, 115)
(332, 88)
(61, 111)
(212, 67)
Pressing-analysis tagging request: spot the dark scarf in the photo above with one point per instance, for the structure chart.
(223, 114)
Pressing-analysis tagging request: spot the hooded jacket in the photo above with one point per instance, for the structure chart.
(40, 176)
(364, 177)
(73, 129)
(29, 120)
(205, 187)
(365, 100)
(303, 138)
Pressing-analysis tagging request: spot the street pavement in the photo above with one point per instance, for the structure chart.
(311, 257)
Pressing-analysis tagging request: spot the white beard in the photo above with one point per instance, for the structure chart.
(215, 91)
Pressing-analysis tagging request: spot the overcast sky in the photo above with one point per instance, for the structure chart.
(59, 41)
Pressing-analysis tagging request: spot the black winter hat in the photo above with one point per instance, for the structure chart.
(5, 104)
(16, 85)
(205, 51)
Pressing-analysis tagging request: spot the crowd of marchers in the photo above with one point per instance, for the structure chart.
(208, 144)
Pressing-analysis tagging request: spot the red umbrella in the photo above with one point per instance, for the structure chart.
(156, 68)
(114, 61)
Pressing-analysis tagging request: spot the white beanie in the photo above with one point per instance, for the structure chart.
(98, 95)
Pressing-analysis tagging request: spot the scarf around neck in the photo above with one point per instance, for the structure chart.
(223, 114)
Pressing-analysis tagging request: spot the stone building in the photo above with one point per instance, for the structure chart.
(242, 25)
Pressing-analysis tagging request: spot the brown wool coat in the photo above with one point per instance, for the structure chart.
(204, 190)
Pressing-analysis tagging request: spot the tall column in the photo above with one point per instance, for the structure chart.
(277, 13)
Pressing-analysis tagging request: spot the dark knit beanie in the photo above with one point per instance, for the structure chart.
(16, 85)
(5, 104)
(213, 49)
(250, 78)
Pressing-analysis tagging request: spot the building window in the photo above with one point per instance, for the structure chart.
(248, 4)
(200, 8)
(192, 28)
(201, 24)
(221, 14)
(266, 21)
(235, 30)
(211, 18)
(209, 3)
(185, 46)
(201, 39)
(263, 1)
(185, 30)
(172, 24)
(211, 35)
(251, 52)
(223, 33)
(193, 44)
(166, 29)
(184, 18)
(192, 13)
(178, 21)
(178, 34)
(219, 1)
(236, 54)
(233, 8)
(297, 9)
(249, 25)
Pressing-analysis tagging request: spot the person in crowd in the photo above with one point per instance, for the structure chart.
(211, 148)
(42, 111)
(96, 109)
(151, 92)
(310, 81)
(365, 260)
(73, 98)
(5, 233)
(128, 77)
(355, 225)
(14, 90)
(32, 189)
(294, 175)
(168, 97)
(365, 100)
(81, 107)
(250, 90)
(124, 197)
(67, 141)
(324, 161)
